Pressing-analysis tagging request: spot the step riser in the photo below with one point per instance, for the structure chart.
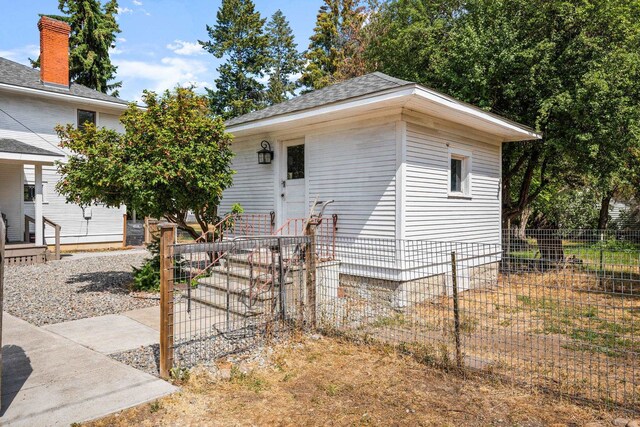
(238, 306)
(235, 292)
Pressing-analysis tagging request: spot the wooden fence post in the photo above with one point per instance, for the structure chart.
(311, 274)
(167, 239)
(456, 310)
(124, 230)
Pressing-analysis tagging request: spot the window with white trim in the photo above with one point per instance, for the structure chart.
(459, 173)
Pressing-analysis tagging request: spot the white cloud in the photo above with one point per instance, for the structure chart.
(158, 76)
(21, 54)
(181, 47)
(124, 10)
(115, 51)
(121, 39)
(137, 2)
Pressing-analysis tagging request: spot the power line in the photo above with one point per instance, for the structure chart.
(30, 130)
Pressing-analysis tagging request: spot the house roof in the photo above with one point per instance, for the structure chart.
(8, 145)
(376, 91)
(358, 86)
(14, 74)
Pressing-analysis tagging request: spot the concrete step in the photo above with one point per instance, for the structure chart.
(244, 272)
(238, 305)
(238, 287)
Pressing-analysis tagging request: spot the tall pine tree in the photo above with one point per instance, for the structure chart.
(338, 24)
(93, 33)
(284, 59)
(237, 35)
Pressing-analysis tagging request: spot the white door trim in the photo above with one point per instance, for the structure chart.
(281, 164)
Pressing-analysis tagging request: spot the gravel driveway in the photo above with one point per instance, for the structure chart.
(72, 289)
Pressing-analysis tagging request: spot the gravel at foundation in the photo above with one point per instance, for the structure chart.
(64, 290)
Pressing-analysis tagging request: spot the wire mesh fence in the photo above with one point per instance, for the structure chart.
(558, 310)
(232, 295)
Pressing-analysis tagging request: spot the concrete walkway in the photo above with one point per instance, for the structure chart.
(108, 334)
(48, 380)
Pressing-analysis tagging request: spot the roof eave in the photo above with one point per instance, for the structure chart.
(512, 131)
(507, 130)
(26, 158)
(395, 95)
(67, 97)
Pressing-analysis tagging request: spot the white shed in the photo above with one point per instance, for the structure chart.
(400, 160)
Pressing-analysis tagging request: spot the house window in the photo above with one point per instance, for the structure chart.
(295, 162)
(85, 117)
(29, 192)
(459, 173)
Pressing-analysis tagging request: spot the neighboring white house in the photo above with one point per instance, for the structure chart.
(32, 103)
(400, 160)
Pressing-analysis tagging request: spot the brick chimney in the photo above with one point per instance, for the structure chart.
(54, 51)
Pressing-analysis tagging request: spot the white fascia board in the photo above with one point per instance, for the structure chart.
(387, 96)
(64, 97)
(469, 110)
(397, 96)
(29, 158)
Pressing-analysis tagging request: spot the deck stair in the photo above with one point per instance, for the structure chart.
(244, 283)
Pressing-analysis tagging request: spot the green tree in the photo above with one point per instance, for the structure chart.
(173, 158)
(284, 59)
(335, 39)
(239, 37)
(93, 33)
(570, 69)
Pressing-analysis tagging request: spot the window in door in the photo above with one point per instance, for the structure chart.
(295, 162)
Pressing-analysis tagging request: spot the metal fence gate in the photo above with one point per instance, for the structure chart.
(219, 298)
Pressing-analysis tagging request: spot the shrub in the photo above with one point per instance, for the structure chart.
(147, 277)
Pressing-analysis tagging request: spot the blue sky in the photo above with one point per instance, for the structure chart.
(157, 48)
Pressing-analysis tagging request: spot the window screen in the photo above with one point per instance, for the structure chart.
(456, 175)
(295, 162)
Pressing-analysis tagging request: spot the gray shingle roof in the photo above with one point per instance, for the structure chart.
(353, 88)
(16, 74)
(8, 145)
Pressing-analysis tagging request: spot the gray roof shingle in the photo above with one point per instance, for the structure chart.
(16, 74)
(8, 145)
(353, 88)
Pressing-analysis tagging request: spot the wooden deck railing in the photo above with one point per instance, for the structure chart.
(45, 221)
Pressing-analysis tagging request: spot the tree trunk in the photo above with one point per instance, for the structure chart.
(521, 229)
(603, 218)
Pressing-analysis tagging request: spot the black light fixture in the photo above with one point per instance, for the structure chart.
(265, 156)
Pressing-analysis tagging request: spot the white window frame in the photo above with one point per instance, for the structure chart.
(467, 168)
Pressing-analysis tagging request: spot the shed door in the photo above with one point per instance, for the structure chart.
(293, 184)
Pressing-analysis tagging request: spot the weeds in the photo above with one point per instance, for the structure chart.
(250, 380)
(155, 406)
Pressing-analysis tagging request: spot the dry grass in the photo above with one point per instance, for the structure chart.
(563, 330)
(331, 382)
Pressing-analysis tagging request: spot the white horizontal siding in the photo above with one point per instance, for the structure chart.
(105, 225)
(33, 121)
(11, 199)
(252, 183)
(430, 214)
(110, 121)
(356, 168)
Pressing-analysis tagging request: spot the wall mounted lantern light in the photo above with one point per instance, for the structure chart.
(265, 155)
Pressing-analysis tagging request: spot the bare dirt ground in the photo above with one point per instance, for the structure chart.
(325, 381)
